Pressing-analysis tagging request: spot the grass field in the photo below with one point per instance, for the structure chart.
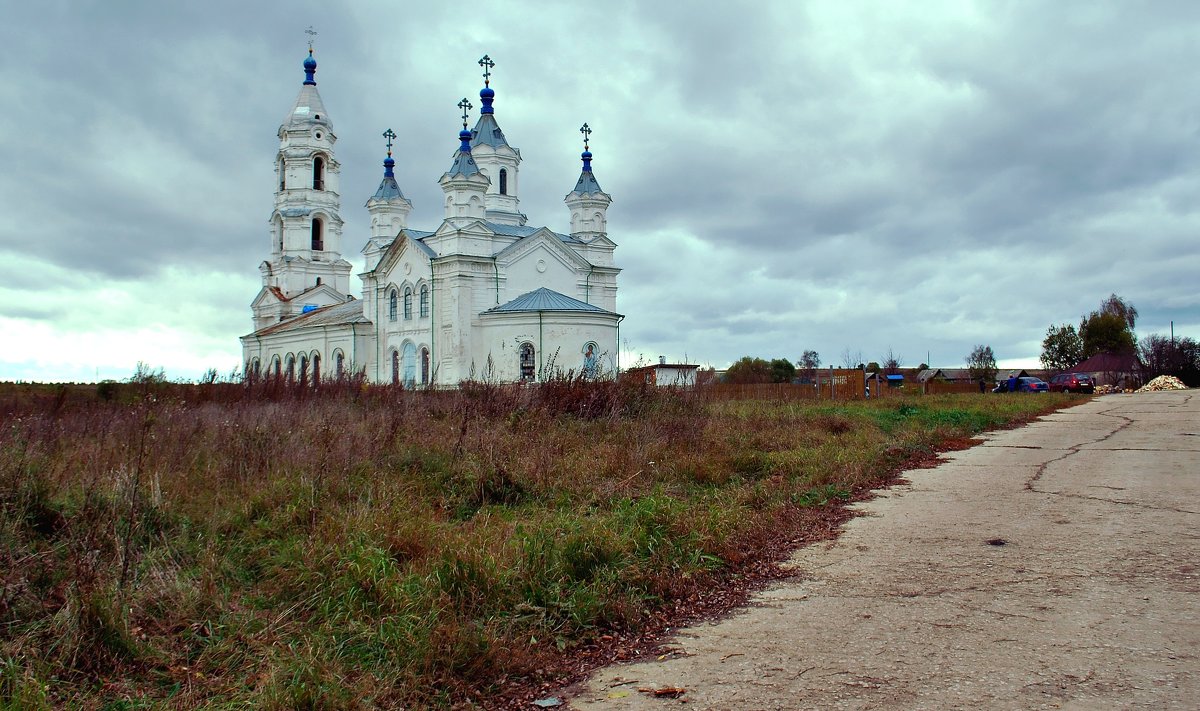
(219, 546)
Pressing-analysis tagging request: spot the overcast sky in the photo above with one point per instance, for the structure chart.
(837, 176)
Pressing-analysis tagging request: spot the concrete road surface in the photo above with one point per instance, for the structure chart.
(1056, 566)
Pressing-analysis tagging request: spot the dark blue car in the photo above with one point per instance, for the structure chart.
(1024, 385)
(1032, 385)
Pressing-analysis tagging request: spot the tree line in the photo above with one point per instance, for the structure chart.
(1110, 330)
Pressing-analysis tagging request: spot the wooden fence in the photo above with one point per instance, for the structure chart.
(838, 385)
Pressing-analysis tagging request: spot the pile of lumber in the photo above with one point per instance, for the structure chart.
(1163, 382)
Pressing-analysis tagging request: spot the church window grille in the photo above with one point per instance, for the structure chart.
(318, 173)
(503, 181)
(392, 306)
(424, 366)
(407, 303)
(424, 302)
(395, 367)
(528, 365)
(318, 242)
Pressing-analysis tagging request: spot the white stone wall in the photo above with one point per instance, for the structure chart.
(326, 342)
(559, 340)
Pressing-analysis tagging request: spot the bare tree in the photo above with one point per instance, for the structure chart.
(892, 362)
(851, 359)
(808, 364)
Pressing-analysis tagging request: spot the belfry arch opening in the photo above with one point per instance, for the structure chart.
(318, 235)
(318, 173)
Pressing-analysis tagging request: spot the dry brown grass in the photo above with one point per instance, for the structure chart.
(363, 547)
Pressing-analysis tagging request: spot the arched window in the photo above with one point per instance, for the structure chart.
(410, 364)
(407, 303)
(291, 367)
(392, 306)
(277, 367)
(503, 181)
(303, 369)
(278, 230)
(395, 367)
(528, 365)
(424, 301)
(316, 361)
(282, 175)
(424, 366)
(318, 173)
(318, 243)
(318, 281)
(339, 365)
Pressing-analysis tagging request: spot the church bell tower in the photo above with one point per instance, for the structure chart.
(306, 229)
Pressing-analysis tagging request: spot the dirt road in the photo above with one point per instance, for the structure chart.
(1055, 566)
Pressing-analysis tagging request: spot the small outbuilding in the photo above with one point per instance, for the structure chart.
(666, 374)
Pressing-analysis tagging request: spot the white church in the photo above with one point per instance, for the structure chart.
(484, 295)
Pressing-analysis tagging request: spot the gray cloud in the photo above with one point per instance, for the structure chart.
(784, 176)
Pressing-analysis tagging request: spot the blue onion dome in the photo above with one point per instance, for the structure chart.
(487, 95)
(388, 166)
(586, 157)
(310, 68)
(465, 136)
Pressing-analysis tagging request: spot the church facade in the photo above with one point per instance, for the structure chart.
(483, 295)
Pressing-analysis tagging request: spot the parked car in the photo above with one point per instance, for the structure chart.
(1032, 385)
(1072, 383)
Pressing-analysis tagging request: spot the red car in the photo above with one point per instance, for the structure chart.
(1073, 383)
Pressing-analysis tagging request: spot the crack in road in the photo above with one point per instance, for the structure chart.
(1041, 470)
